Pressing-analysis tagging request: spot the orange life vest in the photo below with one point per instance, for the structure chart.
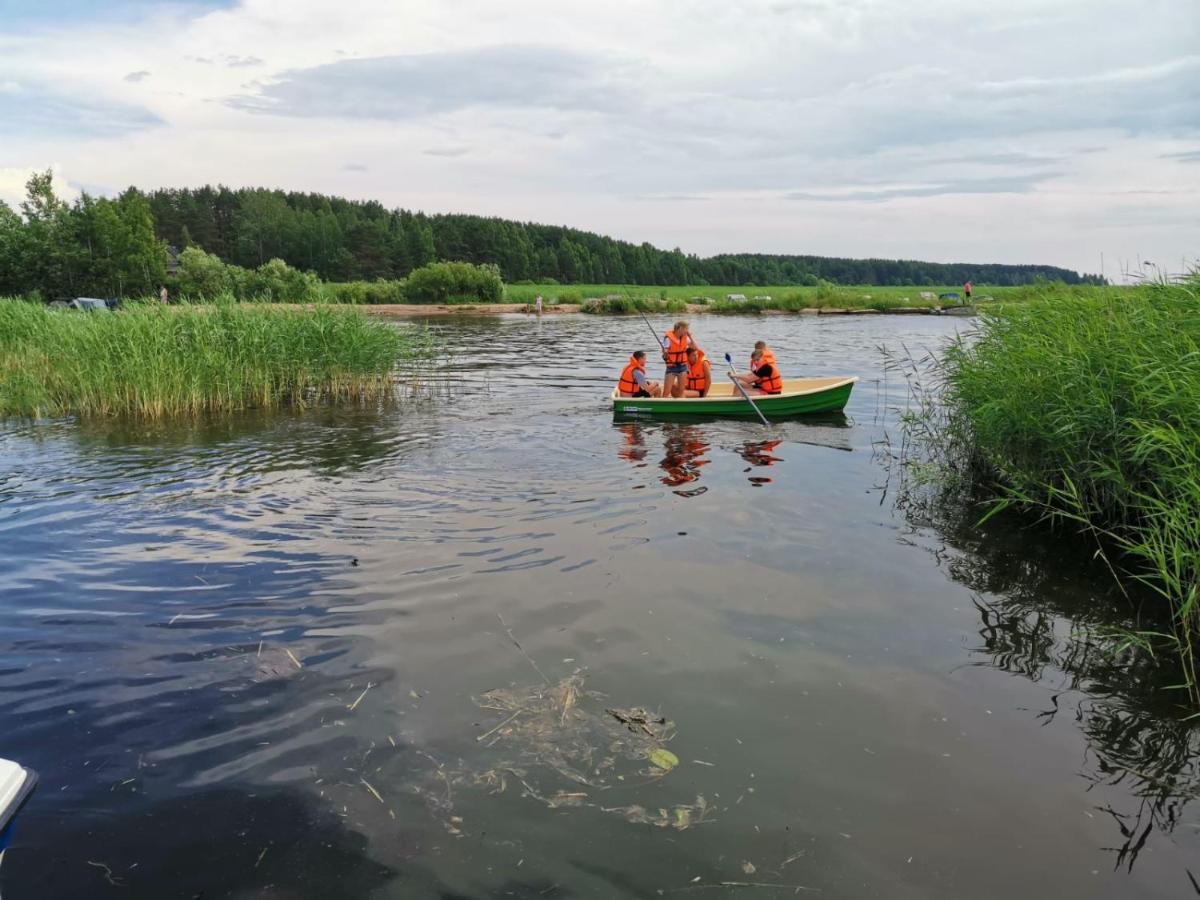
(768, 359)
(773, 383)
(676, 349)
(696, 379)
(627, 385)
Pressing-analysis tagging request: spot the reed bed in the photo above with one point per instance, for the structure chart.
(152, 361)
(1087, 409)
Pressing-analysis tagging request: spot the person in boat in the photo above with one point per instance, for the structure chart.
(768, 355)
(764, 377)
(675, 346)
(699, 373)
(633, 381)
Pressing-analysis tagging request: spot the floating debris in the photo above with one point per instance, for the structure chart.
(557, 744)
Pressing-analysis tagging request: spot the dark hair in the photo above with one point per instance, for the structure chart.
(639, 354)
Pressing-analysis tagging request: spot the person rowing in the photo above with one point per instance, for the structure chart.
(768, 355)
(699, 373)
(764, 377)
(633, 381)
(675, 345)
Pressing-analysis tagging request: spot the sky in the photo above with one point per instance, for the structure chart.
(1059, 132)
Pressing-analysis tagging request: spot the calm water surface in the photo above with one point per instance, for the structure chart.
(872, 701)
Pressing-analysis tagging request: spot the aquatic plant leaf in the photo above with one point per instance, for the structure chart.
(663, 758)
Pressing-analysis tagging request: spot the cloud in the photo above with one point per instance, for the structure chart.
(411, 86)
(1006, 184)
(34, 109)
(1187, 156)
(354, 167)
(137, 76)
(447, 151)
(238, 62)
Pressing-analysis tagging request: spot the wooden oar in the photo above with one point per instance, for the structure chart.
(738, 385)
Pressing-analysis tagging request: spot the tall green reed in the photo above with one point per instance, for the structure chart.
(1086, 409)
(154, 361)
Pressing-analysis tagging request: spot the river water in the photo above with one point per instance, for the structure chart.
(247, 656)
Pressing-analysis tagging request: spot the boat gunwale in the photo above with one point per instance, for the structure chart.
(838, 382)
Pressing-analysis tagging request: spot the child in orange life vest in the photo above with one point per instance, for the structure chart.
(768, 356)
(699, 373)
(764, 377)
(633, 381)
(675, 344)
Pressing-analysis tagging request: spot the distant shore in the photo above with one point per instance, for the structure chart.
(420, 310)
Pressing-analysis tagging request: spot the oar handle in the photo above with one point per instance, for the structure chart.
(741, 390)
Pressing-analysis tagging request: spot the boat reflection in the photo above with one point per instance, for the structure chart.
(684, 447)
(633, 445)
(760, 453)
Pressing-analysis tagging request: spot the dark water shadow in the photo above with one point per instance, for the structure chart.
(221, 842)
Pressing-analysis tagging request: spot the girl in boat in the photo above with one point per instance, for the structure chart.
(633, 381)
(699, 373)
(764, 377)
(675, 346)
(768, 355)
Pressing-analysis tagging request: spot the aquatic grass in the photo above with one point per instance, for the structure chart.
(1086, 409)
(152, 361)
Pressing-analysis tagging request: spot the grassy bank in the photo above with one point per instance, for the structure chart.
(1087, 409)
(154, 361)
(784, 298)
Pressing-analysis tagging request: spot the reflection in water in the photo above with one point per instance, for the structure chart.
(759, 453)
(684, 447)
(633, 446)
(1047, 615)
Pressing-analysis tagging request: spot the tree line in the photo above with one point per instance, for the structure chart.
(118, 247)
(349, 240)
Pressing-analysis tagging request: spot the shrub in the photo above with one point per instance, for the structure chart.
(446, 282)
(276, 280)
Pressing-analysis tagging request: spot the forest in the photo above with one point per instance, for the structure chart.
(119, 246)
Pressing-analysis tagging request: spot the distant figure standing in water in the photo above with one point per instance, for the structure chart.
(967, 292)
(163, 296)
(539, 304)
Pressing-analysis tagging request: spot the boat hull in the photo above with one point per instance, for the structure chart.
(801, 397)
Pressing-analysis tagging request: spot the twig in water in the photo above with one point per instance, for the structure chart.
(354, 705)
(485, 736)
(517, 644)
(108, 875)
(260, 857)
(374, 792)
(299, 665)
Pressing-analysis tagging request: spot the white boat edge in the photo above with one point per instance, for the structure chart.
(16, 784)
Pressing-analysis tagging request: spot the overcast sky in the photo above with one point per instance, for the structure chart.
(1024, 131)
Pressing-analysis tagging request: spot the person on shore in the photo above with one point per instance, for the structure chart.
(967, 291)
(699, 374)
(768, 354)
(163, 296)
(675, 346)
(633, 381)
(764, 377)
(539, 304)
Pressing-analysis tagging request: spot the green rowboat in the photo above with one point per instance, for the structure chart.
(801, 396)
